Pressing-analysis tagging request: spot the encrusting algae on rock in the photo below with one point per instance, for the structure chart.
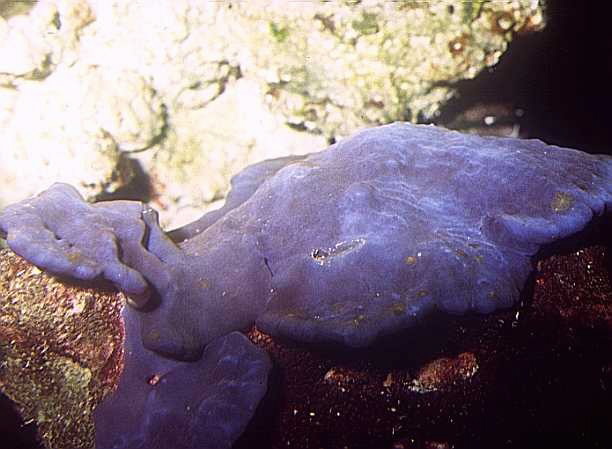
(193, 91)
(60, 348)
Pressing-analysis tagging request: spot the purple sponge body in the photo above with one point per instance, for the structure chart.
(355, 241)
(161, 403)
(359, 240)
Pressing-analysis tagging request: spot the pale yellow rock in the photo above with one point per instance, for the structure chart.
(32, 45)
(195, 90)
(202, 158)
(50, 137)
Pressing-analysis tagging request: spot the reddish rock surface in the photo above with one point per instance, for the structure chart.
(60, 352)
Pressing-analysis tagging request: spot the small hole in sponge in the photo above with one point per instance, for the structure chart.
(319, 254)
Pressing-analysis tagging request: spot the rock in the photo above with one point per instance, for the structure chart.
(337, 67)
(194, 164)
(194, 91)
(31, 155)
(32, 46)
(60, 347)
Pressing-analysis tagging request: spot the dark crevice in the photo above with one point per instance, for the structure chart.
(14, 432)
(267, 264)
(140, 188)
(558, 78)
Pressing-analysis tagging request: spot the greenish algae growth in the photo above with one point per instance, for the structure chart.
(367, 25)
(10, 8)
(279, 33)
(471, 10)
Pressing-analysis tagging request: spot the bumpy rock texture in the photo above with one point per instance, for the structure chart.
(60, 348)
(194, 91)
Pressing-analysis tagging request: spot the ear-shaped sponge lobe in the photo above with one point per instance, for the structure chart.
(63, 234)
(161, 403)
